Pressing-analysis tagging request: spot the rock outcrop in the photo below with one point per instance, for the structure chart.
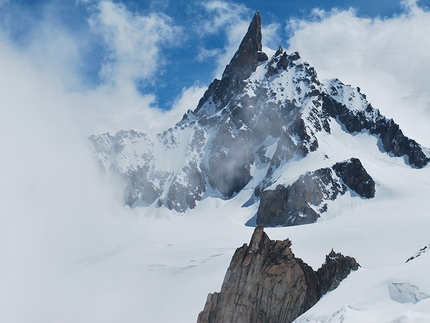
(303, 201)
(356, 177)
(419, 253)
(335, 269)
(266, 283)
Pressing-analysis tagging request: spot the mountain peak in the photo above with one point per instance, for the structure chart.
(247, 130)
(247, 57)
(241, 66)
(251, 43)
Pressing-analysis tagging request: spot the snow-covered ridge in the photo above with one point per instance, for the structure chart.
(249, 127)
(283, 100)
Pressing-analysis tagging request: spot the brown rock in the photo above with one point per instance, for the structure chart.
(266, 283)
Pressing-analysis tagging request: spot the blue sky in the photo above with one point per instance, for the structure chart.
(134, 64)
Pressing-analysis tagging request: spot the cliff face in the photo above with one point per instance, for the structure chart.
(303, 201)
(266, 283)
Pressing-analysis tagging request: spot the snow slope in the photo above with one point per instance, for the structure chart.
(81, 259)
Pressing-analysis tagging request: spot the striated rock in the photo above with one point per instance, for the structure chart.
(302, 201)
(266, 283)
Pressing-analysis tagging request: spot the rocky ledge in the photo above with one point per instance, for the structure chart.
(303, 201)
(266, 283)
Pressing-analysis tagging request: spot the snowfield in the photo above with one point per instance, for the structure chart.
(71, 254)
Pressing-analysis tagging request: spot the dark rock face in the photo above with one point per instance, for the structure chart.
(182, 196)
(294, 204)
(266, 283)
(233, 145)
(392, 138)
(302, 201)
(355, 177)
(231, 158)
(243, 63)
(335, 269)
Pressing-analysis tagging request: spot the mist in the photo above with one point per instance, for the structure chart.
(54, 202)
(60, 223)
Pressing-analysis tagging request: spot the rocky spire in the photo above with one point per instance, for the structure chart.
(246, 59)
(266, 283)
(243, 63)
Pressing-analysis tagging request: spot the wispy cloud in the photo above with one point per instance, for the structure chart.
(133, 40)
(223, 14)
(122, 46)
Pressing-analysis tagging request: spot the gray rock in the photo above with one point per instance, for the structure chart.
(302, 201)
(335, 269)
(355, 177)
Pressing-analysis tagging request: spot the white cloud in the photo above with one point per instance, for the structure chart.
(208, 53)
(271, 35)
(55, 59)
(223, 14)
(56, 210)
(386, 58)
(53, 200)
(133, 40)
(135, 43)
(187, 100)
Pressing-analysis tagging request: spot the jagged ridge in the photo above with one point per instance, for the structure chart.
(263, 113)
(266, 283)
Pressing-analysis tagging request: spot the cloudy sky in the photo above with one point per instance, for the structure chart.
(108, 65)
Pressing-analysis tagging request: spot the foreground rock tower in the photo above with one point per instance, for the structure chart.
(266, 283)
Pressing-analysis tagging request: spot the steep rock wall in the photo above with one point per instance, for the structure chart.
(266, 283)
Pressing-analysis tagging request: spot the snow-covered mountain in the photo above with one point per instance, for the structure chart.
(270, 143)
(251, 130)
